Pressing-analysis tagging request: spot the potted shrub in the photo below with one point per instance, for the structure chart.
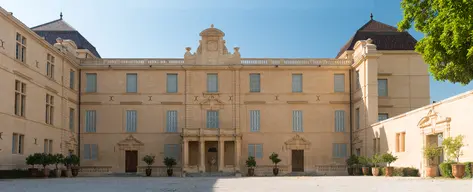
(169, 162)
(453, 149)
(389, 158)
(351, 162)
(45, 160)
(32, 160)
(364, 162)
(430, 153)
(275, 159)
(56, 159)
(376, 159)
(72, 164)
(251, 164)
(149, 160)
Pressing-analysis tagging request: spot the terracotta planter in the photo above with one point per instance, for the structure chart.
(389, 171)
(431, 171)
(458, 170)
(33, 172)
(148, 172)
(75, 171)
(350, 170)
(365, 170)
(275, 171)
(169, 171)
(46, 172)
(251, 172)
(375, 171)
(57, 172)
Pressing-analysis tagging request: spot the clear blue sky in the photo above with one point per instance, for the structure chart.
(262, 28)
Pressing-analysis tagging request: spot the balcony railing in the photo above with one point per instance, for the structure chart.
(208, 132)
(282, 61)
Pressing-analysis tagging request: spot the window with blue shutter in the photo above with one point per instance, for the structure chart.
(339, 82)
(93, 151)
(382, 116)
(131, 82)
(339, 150)
(171, 84)
(255, 82)
(212, 119)
(131, 121)
(172, 150)
(212, 82)
(90, 121)
(72, 75)
(297, 121)
(91, 82)
(296, 83)
(258, 151)
(171, 121)
(339, 121)
(382, 87)
(254, 120)
(251, 150)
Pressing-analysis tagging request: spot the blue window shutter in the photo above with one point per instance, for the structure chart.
(255, 82)
(167, 150)
(212, 82)
(216, 120)
(212, 119)
(259, 151)
(177, 152)
(339, 121)
(171, 85)
(339, 83)
(254, 120)
(131, 83)
(297, 121)
(296, 83)
(14, 144)
(343, 150)
(131, 121)
(91, 84)
(251, 150)
(171, 121)
(382, 87)
(94, 151)
(86, 151)
(71, 79)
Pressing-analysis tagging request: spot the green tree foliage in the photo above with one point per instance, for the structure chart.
(447, 45)
(453, 146)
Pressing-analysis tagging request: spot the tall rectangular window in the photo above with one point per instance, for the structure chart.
(48, 146)
(254, 120)
(400, 142)
(131, 121)
(20, 98)
(382, 116)
(131, 82)
(212, 82)
(296, 83)
(255, 83)
(172, 150)
(91, 82)
(339, 121)
(171, 83)
(171, 121)
(18, 143)
(357, 118)
(297, 121)
(339, 150)
(212, 119)
(90, 121)
(71, 119)
(49, 109)
(255, 150)
(72, 76)
(20, 48)
(382, 87)
(50, 66)
(90, 151)
(357, 76)
(339, 83)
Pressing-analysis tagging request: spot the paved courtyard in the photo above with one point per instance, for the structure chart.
(266, 184)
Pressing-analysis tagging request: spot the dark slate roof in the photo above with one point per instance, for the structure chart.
(59, 28)
(384, 36)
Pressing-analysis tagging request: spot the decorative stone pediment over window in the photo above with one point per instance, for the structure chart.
(433, 123)
(71, 144)
(297, 143)
(130, 143)
(211, 102)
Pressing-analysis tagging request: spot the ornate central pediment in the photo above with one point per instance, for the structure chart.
(130, 142)
(432, 119)
(211, 102)
(297, 142)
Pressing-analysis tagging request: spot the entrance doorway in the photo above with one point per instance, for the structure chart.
(211, 156)
(297, 160)
(131, 161)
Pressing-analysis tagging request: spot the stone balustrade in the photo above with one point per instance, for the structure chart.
(208, 131)
(94, 170)
(160, 171)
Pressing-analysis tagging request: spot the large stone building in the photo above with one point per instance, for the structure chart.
(211, 109)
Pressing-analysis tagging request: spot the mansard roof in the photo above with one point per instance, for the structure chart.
(60, 28)
(384, 36)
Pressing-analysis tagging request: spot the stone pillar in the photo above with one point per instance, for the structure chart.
(202, 155)
(237, 153)
(221, 150)
(185, 155)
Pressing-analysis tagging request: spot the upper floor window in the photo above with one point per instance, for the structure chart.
(382, 116)
(20, 47)
(339, 82)
(296, 83)
(339, 121)
(212, 82)
(91, 82)
(49, 109)
(131, 82)
(171, 83)
(20, 98)
(254, 120)
(382, 87)
(131, 121)
(212, 119)
(255, 82)
(18, 143)
(90, 121)
(357, 76)
(50, 66)
(171, 121)
(71, 119)
(297, 121)
(72, 75)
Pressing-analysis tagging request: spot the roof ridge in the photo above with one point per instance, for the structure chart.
(384, 26)
(54, 21)
(45, 24)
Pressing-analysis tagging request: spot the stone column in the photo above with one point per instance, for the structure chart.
(202, 155)
(186, 155)
(237, 153)
(221, 150)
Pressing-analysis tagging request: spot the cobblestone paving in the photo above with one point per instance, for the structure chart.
(209, 184)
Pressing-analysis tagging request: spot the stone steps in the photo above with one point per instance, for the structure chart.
(211, 174)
